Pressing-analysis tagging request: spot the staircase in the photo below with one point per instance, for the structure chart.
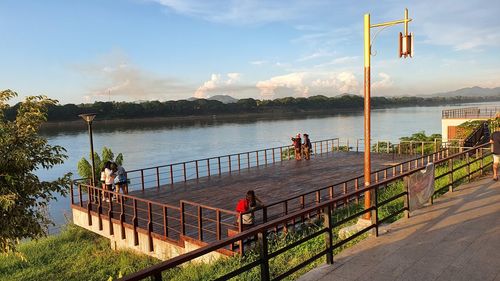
(481, 135)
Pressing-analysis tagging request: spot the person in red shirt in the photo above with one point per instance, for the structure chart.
(247, 204)
(297, 144)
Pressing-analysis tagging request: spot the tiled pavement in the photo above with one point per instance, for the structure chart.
(457, 238)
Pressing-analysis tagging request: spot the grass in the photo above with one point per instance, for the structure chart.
(74, 254)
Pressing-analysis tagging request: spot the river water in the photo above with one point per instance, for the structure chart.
(154, 143)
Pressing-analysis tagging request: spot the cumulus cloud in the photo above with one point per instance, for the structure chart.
(285, 85)
(219, 84)
(343, 82)
(384, 83)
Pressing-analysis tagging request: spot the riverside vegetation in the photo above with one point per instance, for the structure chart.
(77, 254)
(204, 107)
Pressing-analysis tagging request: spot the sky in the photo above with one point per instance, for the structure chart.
(134, 50)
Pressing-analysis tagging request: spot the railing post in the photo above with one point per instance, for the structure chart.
(265, 156)
(264, 260)
(165, 221)
(435, 145)
(388, 147)
(264, 214)
(110, 215)
(218, 225)
(274, 157)
(150, 226)
(218, 163)
(257, 157)
(482, 160)
(200, 224)
(89, 203)
(468, 166)
(327, 218)
(450, 177)
(158, 176)
(185, 172)
(374, 212)
(183, 225)
(197, 170)
(171, 174)
(208, 166)
(357, 145)
(407, 199)
(99, 211)
(348, 148)
(142, 179)
(248, 160)
(229, 163)
(122, 219)
(134, 222)
(377, 147)
(239, 163)
(71, 193)
(80, 194)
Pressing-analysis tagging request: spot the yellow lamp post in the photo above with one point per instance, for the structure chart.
(405, 49)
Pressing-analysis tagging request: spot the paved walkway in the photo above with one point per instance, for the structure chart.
(457, 238)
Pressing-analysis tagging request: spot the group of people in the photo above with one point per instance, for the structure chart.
(113, 178)
(302, 148)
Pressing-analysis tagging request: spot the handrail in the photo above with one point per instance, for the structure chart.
(470, 112)
(327, 208)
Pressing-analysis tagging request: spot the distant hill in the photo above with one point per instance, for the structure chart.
(221, 98)
(470, 92)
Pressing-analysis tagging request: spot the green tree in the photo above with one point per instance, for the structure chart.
(85, 168)
(23, 196)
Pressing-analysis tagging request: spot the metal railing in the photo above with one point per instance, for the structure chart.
(326, 210)
(141, 179)
(470, 112)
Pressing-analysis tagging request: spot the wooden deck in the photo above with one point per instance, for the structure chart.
(271, 183)
(203, 209)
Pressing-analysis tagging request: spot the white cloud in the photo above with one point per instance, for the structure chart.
(343, 82)
(241, 11)
(258, 62)
(218, 84)
(384, 83)
(316, 55)
(285, 85)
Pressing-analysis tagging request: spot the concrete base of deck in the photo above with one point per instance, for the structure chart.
(456, 238)
(162, 249)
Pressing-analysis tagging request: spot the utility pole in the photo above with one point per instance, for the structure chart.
(405, 50)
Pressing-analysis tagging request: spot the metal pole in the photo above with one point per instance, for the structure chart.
(367, 158)
(92, 153)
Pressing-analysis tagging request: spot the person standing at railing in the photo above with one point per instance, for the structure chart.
(245, 206)
(307, 147)
(495, 141)
(120, 179)
(110, 178)
(297, 143)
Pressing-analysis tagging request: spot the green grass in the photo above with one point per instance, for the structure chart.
(74, 254)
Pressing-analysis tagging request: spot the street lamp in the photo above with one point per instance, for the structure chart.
(405, 50)
(89, 117)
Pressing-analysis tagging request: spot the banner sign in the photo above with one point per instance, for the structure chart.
(421, 187)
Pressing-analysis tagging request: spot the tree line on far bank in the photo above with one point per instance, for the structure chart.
(200, 107)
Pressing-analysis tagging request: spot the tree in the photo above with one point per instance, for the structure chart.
(23, 196)
(85, 168)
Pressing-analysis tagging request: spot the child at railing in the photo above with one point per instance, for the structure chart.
(297, 143)
(245, 206)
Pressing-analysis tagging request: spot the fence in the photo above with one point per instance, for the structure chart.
(470, 112)
(262, 262)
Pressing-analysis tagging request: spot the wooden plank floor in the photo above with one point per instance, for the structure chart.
(271, 183)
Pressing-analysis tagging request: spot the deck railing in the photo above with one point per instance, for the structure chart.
(196, 169)
(470, 112)
(327, 210)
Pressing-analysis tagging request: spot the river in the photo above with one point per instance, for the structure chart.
(152, 144)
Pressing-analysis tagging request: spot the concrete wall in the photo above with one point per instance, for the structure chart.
(162, 249)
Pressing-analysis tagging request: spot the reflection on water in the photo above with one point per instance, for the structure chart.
(147, 143)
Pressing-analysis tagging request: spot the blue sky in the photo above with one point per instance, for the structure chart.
(129, 50)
